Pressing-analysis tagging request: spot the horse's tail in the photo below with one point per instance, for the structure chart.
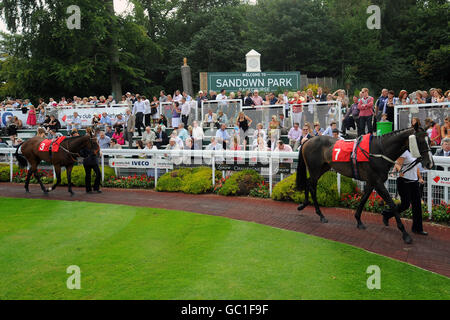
(301, 171)
(23, 163)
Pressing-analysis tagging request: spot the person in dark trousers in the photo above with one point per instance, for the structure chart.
(408, 186)
(90, 162)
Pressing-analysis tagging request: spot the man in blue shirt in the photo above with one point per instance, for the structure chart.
(223, 136)
(105, 120)
(380, 106)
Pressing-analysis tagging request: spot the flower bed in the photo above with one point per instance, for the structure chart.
(441, 211)
(21, 175)
(131, 182)
(261, 191)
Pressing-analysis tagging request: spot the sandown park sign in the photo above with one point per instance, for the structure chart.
(262, 81)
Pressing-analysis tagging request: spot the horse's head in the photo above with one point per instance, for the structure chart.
(419, 146)
(93, 142)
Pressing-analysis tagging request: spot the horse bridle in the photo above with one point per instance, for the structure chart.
(382, 156)
(77, 154)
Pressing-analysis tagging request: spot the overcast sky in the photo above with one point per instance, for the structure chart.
(119, 5)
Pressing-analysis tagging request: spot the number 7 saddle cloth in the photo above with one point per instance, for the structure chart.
(352, 151)
(45, 145)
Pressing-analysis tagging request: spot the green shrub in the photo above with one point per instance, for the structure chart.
(200, 181)
(187, 180)
(78, 176)
(241, 183)
(5, 172)
(173, 181)
(327, 195)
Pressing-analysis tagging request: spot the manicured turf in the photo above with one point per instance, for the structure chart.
(139, 253)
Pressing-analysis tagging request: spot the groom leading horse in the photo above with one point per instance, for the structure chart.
(319, 155)
(34, 151)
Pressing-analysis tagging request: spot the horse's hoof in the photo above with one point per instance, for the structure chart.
(407, 239)
(323, 220)
(301, 207)
(361, 227)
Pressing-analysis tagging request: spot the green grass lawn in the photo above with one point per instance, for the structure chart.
(141, 253)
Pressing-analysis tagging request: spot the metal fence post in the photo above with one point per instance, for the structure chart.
(213, 169)
(339, 184)
(11, 167)
(270, 174)
(103, 168)
(429, 195)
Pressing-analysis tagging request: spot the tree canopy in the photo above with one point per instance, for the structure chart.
(142, 51)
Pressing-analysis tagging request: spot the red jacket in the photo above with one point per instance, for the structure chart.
(365, 107)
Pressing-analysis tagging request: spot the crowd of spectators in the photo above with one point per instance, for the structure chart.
(145, 118)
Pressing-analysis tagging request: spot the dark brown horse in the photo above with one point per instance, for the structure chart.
(66, 157)
(316, 157)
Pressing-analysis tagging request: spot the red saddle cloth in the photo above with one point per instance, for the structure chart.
(342, 150)
(45, 145)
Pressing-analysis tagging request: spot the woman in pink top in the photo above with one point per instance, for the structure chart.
(118, 135)
(365, 107)
(435, 134)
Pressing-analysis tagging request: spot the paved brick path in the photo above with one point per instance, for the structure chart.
(431, 252)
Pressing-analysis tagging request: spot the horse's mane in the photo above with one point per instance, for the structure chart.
(394, 133)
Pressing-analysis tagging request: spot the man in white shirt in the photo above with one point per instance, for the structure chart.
(177, 96)
(185, 111)
(408, 186)
(198, 136)
(147, 111)
(138, 111)
(222, 95)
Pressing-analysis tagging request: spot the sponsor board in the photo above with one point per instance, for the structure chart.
(140, 163)
(86, 114)
(440, 178)
(13, 113)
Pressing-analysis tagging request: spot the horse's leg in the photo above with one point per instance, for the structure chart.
(38, 177)
(313, 188)
(27, 181)
(367, 191)
(69, 179)
(306, 201)
(58, 177)
(382, 191)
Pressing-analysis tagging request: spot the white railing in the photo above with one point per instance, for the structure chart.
(421, 111)
(435, 193)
